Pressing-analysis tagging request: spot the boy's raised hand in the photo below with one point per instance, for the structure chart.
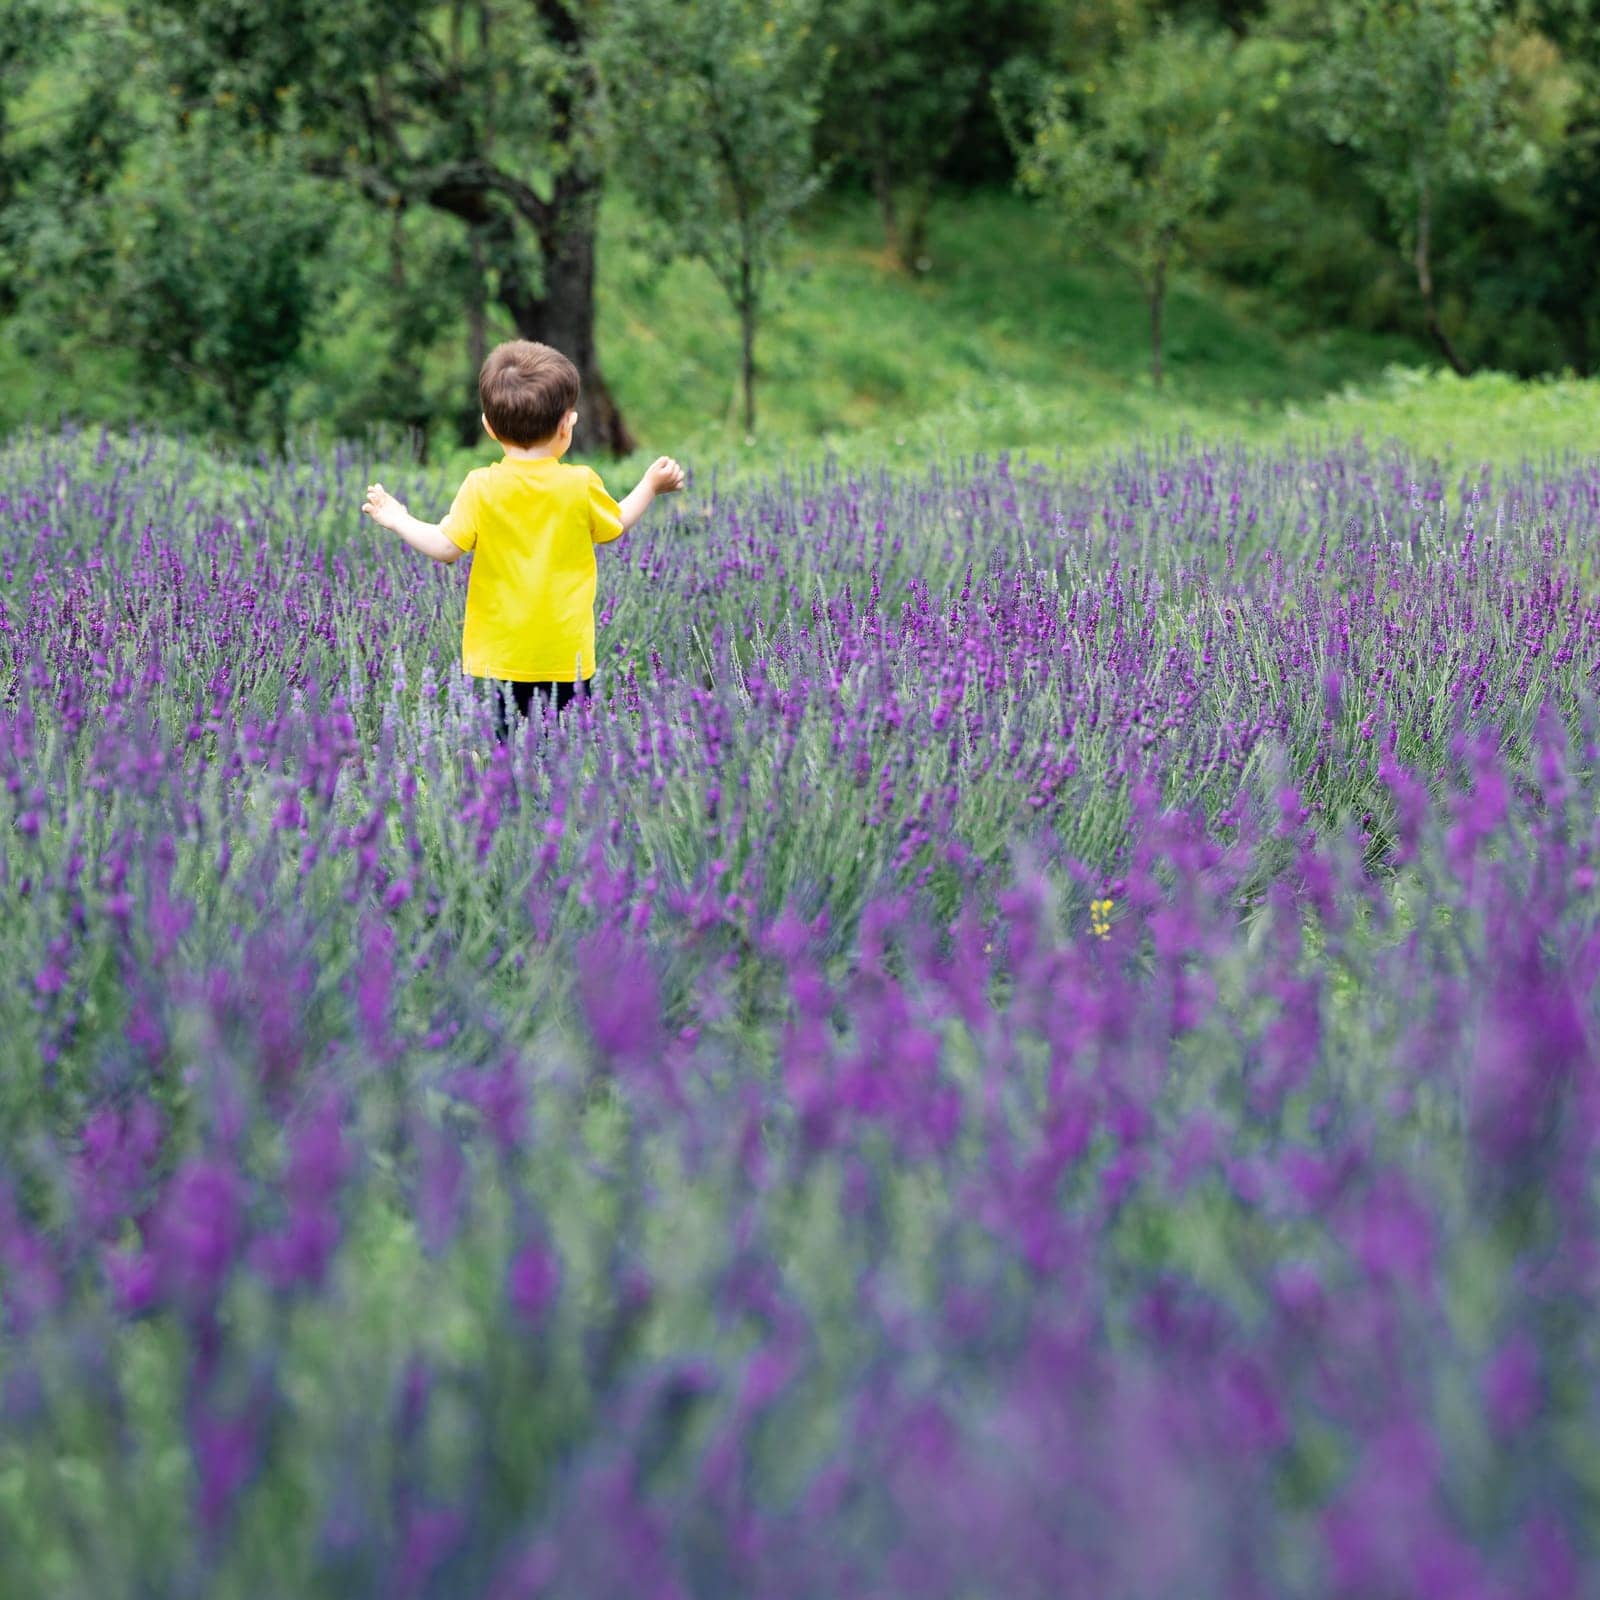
(382, 507)
(665, 475)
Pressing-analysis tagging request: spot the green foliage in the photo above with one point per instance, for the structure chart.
(899, 107)
(23, 44)
(1293, 217)
(906, 97)
(388, 346)
(712, 108)
(214, 286)
(1299, 217)
(396, 95)
(1527, 248)
(1415, 88)
(458, 181)
(1130, 160)
(157, 241)
(64, 136)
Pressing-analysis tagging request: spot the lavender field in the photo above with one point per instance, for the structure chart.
(1039, 1038)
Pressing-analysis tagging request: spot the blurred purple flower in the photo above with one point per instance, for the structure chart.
(617, 987)
(1512, 1389)
(198, 1227)
(134, 1280)
(532, 1282)
(1392, 1235)
(113, 1166)
(224, 1452)
(441, 1192)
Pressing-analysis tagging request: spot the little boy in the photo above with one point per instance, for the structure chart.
(533, 523)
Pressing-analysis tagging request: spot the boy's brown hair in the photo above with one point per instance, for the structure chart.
(526, 390)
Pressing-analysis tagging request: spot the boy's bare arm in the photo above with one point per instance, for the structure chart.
(389, 513)
(662, 476)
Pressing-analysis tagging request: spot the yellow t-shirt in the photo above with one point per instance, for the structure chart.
(532, 526)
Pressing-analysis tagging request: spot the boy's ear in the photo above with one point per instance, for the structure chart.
(487, 429)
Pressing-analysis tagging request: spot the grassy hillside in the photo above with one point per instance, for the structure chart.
(1005, 341)
(1008, 342)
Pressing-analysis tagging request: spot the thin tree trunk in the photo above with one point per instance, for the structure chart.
(916, 241)
(1158, 302)
(1578, 344)
(471, 429)
(1422, 261)
(747, 360)
(407, 371)
(883, 188)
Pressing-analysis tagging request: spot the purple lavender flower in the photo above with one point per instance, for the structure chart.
(533, 1281)
(198, 1228)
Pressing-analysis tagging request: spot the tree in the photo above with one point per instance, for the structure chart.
(712, 104)
(484, 112)
(1417, 90)
(901, 104)
(215, 240)
(1131, 156)
(910, 83)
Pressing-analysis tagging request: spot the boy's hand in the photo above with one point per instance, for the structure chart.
(383, 508)
(662, 476)
(665, 475)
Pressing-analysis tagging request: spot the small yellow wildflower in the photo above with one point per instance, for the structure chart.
(1100, 918)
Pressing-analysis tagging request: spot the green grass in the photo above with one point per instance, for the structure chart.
(1007, 341)
(1462, 421)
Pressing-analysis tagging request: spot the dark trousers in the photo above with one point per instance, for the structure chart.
(506, 693)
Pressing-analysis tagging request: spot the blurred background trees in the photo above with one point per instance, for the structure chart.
(481, 112)
(246, 216)
(1420, 93)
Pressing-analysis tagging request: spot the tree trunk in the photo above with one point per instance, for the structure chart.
(747, 343)
(560, 312)
(747, 367)
(1158, 302)
(916, 239)
(883, 188)
(567, 234)
(471, 429)
(1423, 263)
(566, 310)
